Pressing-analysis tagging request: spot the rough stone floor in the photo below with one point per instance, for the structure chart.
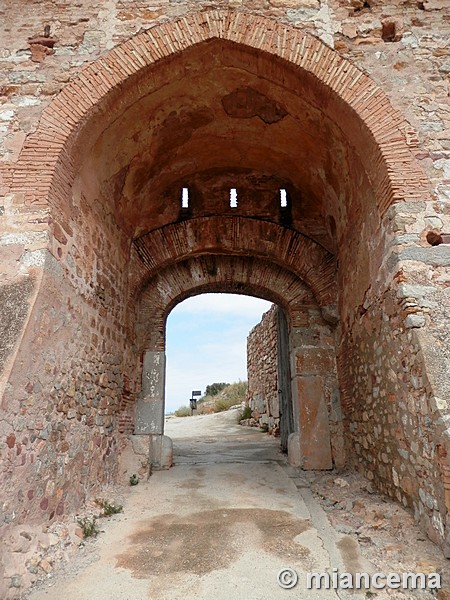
(229, 516)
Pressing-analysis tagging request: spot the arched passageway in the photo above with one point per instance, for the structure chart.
(289, 158)
(320, 433)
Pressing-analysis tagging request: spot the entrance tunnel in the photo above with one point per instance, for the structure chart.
(198, 157)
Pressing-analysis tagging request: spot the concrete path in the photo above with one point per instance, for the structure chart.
(220, 525)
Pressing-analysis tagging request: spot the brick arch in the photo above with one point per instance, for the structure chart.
(255, 276)
(195, 275)
(237, 236)
(372, 125)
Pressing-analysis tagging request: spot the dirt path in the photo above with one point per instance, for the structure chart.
(224, 521)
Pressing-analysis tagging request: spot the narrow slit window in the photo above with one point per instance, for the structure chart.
(233, 198)
(185, 198)
(283, 198)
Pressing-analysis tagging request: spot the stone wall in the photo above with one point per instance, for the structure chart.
(318, 418)
(262, 371)
(32, 73)
(395, 384)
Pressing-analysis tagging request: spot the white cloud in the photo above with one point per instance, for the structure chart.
(207, 342)
(202, 366)
(223, 304)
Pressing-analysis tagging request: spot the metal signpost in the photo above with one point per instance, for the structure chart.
(193, 401)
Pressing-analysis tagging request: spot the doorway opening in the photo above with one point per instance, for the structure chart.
(206, 344)
(227, 353)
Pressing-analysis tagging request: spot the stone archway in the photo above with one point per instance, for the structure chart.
(250, 275)
(324, 77)
(214, 101)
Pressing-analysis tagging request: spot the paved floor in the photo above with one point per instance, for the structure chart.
(220, 525)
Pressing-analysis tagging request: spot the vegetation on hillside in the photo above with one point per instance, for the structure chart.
(231, 394)
(215, 388)
(183, 411)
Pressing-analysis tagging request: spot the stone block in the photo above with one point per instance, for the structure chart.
(258, 403)
(161, 452)
(14, 300)
(435, 4)
(274, 405)
(140, 444)
(134, 457)
(436, 256)
(414, 320)
(315, 443)
(149, 416)
(296, 3)
(305, 336)
(330, 314)
(300, 319)
(294, 454)
(414, 291)
(313, 361)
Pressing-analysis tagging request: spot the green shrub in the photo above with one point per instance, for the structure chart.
(230, 395)
(109, 508)
(205, 409)
(246, 413)
(183, 411)
(89, 526)
(237, 391)
(215, 388)
(222, 404)
(134, 479)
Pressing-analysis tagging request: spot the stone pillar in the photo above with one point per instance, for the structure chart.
(150, 410)
(160, 452)
(311, 364)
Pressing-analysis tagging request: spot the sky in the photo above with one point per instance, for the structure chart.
(206, 342)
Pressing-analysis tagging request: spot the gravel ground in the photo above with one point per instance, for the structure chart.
(228, 517)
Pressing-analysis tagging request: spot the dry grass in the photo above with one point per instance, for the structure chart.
(231, 395)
